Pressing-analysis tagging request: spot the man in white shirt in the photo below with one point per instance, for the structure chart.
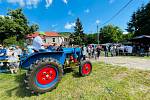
(38, 42)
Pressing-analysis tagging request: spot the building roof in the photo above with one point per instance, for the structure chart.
(52, 34)
(141, 39)
(48, 34)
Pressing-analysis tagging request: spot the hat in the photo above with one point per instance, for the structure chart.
(11, 48)
(42, 33)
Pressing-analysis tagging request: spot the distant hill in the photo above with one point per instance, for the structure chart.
(65, 33)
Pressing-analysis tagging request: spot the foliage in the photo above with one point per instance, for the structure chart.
(91, 38)
(140, 21)
(15, 24)
(106, 82)
(65, 34)
(110, 33)
(10, 40)
(127, 36)
(33, 28)
(78, 36)
(13, 40)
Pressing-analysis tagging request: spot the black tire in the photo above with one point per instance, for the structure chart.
(42, 68)
(85, 68)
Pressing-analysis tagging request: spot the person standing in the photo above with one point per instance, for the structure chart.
(84, 52)
(89, 51)
(106, 50)
(112, 50)
(98, 49)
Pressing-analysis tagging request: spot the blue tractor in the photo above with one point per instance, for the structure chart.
(46, 68)
(3, 60)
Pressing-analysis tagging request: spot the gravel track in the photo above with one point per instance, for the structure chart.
(130, 62)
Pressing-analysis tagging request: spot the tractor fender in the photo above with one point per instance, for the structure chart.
(30, 59)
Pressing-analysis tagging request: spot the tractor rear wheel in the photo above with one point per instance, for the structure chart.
(43, 76)
(85, 68)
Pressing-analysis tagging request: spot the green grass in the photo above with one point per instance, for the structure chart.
(147, 57)
(106, 82)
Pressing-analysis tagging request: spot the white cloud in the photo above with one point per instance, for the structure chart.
(54, 25)
(54, 30)
(69, 25)
(2, 15)
(33, 3)
(87, 11)
(97, 21)
(111, 1)
(65, 1)
(20, 2)
(70, 13)
(125, 32)
(48, 3)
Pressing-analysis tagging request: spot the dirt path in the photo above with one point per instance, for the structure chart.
(129, 62)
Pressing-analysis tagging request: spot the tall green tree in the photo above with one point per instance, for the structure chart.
(140, 21)
(110, 33)
(15, 24)
(78, 36)
(7, 28)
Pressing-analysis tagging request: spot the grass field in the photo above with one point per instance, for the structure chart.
(106, 82)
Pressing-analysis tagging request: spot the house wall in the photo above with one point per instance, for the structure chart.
(58, 40)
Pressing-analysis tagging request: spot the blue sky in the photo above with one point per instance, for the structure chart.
(60, 15)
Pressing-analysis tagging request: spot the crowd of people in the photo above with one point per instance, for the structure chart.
(91, 51)
(141, 49)
(94, 51)
(10, 57)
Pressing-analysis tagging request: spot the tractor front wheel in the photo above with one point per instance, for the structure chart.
(85, 68)
(43, 75)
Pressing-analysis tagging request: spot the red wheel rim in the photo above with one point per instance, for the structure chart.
(86, 69)
(46, 75)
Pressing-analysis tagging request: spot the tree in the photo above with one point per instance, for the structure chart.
(127, 36)
(110, 33)
(15, 25)
(8, 28)
(140, 21)
(78, 36)
(10, 40)
(91, 38)
(33, 28)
